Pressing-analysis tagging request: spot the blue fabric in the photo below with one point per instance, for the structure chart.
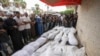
(39, 25)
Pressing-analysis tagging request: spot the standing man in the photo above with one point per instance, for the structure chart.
(12, 28)
(27, 22)
(21, 26)
(39, 25)
(33, 31)
(44, 22)
(75, 19)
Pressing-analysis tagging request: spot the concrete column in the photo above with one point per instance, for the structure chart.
(88, 26)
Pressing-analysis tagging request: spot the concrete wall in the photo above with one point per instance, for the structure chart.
(88, 26)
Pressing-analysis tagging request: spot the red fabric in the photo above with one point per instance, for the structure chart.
(62, 2)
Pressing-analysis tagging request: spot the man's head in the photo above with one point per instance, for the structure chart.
(26, 14)
(17, 14)
(10, 15)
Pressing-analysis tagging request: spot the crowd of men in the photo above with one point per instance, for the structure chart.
(16, 30)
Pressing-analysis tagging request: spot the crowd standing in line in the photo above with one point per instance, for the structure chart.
(16, 29)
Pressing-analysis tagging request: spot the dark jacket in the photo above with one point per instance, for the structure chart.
(9, 23)
(3, 36)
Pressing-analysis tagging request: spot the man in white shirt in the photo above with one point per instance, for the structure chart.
(62, 18)
(27, 22)
(21, 26)
(12, 29)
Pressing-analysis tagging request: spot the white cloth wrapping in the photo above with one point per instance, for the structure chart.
(52, 35)
(35, 54)
(21, 53)
(70, 51)
(72, 39)
(29, 49)
(35, 45)
(43, 48)
(48, 52)
(64, 39)
(72, 30)
(47, 33)
(66, 30)
(41, 40)
(56, 27)
(58, 37)
(75, 51)
(54, 48)
(58, 49)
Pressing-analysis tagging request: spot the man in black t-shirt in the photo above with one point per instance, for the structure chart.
(12, 29)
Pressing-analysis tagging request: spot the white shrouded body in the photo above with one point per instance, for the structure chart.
(72, 39)
(52, 35)
(41, 40)
(29, 49)
(21, 53)
(58, 37)
(72, 30)
(64, 39)
(54, 47)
